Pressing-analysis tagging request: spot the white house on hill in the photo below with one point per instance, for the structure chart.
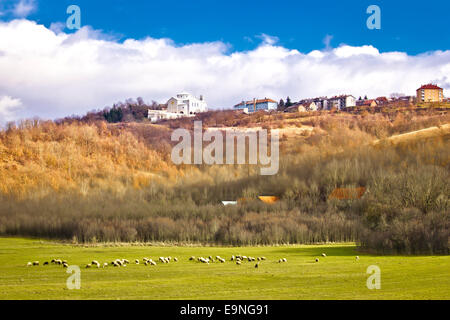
(182, 105)
(187, 104)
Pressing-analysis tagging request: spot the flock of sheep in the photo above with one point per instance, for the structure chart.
(54, 261)
(238, 259)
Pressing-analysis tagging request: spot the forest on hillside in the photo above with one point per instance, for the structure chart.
(91, 181)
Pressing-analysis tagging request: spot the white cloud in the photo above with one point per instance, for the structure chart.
(327, 41)
(57, 27)
(8, 108)
(59, 74)
(23, 8)
(270, 40)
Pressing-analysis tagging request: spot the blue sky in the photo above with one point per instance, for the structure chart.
(227, 51)
(410, 26)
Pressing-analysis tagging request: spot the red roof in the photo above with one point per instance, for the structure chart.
(429, 86)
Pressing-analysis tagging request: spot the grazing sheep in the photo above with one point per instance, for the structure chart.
(257, 265)
(137, 261)
(244, 257)
(232, 258)
(284, 260)
(65, 265)
(53, 261)
(63, 261)
(58, 261)
(263, 258)
(259, 259)
(153, 263)
(238, 263)
(29, 264)
(357, 258)
(317, 259)
(175, 259)
(94, 262)
(46, 263)
(280, 261)
(125, 261)
(324, 255)
(191, 258)
(161, 259)
(35, 263)
(88, 265)
(105, 264)
(222, 260)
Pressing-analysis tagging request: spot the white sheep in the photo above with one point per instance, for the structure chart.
(175, 259)
(65, 265)
(35, 263)
(153, 263)
(88, 265)
(29, 264)
(238, 263)
(324, 255)
(357, 258)
(232, 258)
(284, 260)
(105, 264)
(137, 261)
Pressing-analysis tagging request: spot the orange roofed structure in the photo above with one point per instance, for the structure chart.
(347, 193)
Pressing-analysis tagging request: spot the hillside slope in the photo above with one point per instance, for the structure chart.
(42, 156)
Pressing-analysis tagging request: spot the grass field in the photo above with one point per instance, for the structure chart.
(337, 276)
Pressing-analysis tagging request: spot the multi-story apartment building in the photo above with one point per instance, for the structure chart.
(430, 93)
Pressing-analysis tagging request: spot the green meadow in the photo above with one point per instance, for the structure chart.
(339, 275)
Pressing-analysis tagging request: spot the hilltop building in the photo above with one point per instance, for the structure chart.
(367, 103)
(430, 93)
(182, 105)
(340, 102)
(265, 104)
